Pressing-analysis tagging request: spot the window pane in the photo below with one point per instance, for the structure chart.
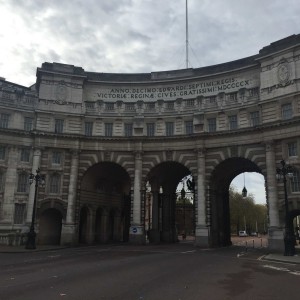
(4, 118)
(23, 183)
(292, 149)
(128, 129)
(28, 122)
(150, 129)
(25, 155)
(54, 184)
(169, 128)
(59, 126)
(88, 128)
(1, 181)
(189, 127)
(254, 118)
(295, 184)
(287, 112)
(233, 122)
(19, 213)
(108, 129)
(212, 124)
(56, 158)
(2, 152)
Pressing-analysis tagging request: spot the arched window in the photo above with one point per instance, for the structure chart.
(54, 184)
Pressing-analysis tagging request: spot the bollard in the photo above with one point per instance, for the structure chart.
(253, 243)
(260, 243)
(246, 243)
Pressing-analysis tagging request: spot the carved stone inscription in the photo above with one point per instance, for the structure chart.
(173, 91)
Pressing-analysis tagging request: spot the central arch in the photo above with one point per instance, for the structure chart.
(163, 180)
(219, 184)
(104, 204)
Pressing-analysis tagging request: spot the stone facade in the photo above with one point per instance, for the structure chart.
(99, 138)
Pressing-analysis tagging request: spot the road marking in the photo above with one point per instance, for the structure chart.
(297, 273)
(190, 251)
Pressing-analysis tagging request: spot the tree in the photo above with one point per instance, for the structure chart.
(245, 214)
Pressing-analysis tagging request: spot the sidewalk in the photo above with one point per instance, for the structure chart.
(21, 249)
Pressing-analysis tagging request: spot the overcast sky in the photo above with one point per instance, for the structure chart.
(133, 36)
(136, 35)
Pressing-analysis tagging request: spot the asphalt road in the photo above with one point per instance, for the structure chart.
(175, 272)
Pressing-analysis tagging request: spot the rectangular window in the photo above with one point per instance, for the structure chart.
(25, 155)
(292, 149)
(28, 122)
(170, 105)
(212, 124)
(190, 103)
(129, 106)
(189, 127)
(54, 187)
(150, 129)
(233, 122)
(128, 128)
(59, 126)
(295, 184)
(169, 128)
(232, 97)
(22, 183)
(287, 111)
(150, 106)
(1, 181)
(109, 106)
(253, 92)
(19, 213)
(108, 129)
(2, 152)
(4, 118)
(88, 128)
(254, 118)
(56, 158)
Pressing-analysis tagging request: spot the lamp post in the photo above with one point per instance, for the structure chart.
(183, 198)
(289, 237)
(39, 179)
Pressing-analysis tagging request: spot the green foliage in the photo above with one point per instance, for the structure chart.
(185, 201)
(244, 211)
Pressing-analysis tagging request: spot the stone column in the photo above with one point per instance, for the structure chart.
(11, 182)
(136, 234)
(68, 236)
(36, 161)
(201, 238)
(275, 232)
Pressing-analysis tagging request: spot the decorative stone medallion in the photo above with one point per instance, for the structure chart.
(283, 73)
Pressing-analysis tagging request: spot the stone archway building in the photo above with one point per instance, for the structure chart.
(214, 122)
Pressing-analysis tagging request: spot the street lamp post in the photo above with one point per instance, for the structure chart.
(39, 179)
(289, 237)
(183, 198)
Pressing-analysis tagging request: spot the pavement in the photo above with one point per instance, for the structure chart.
(275, 257)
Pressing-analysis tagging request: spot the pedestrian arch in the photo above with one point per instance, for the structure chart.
(218, 195)
(105, 190)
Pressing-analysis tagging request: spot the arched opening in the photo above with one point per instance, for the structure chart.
(50, 223)
(295, 225)
(160, 209)
(248, 209)
(218, 194)
(106, 185)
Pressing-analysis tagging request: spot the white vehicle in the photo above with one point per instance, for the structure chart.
(243, 233)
